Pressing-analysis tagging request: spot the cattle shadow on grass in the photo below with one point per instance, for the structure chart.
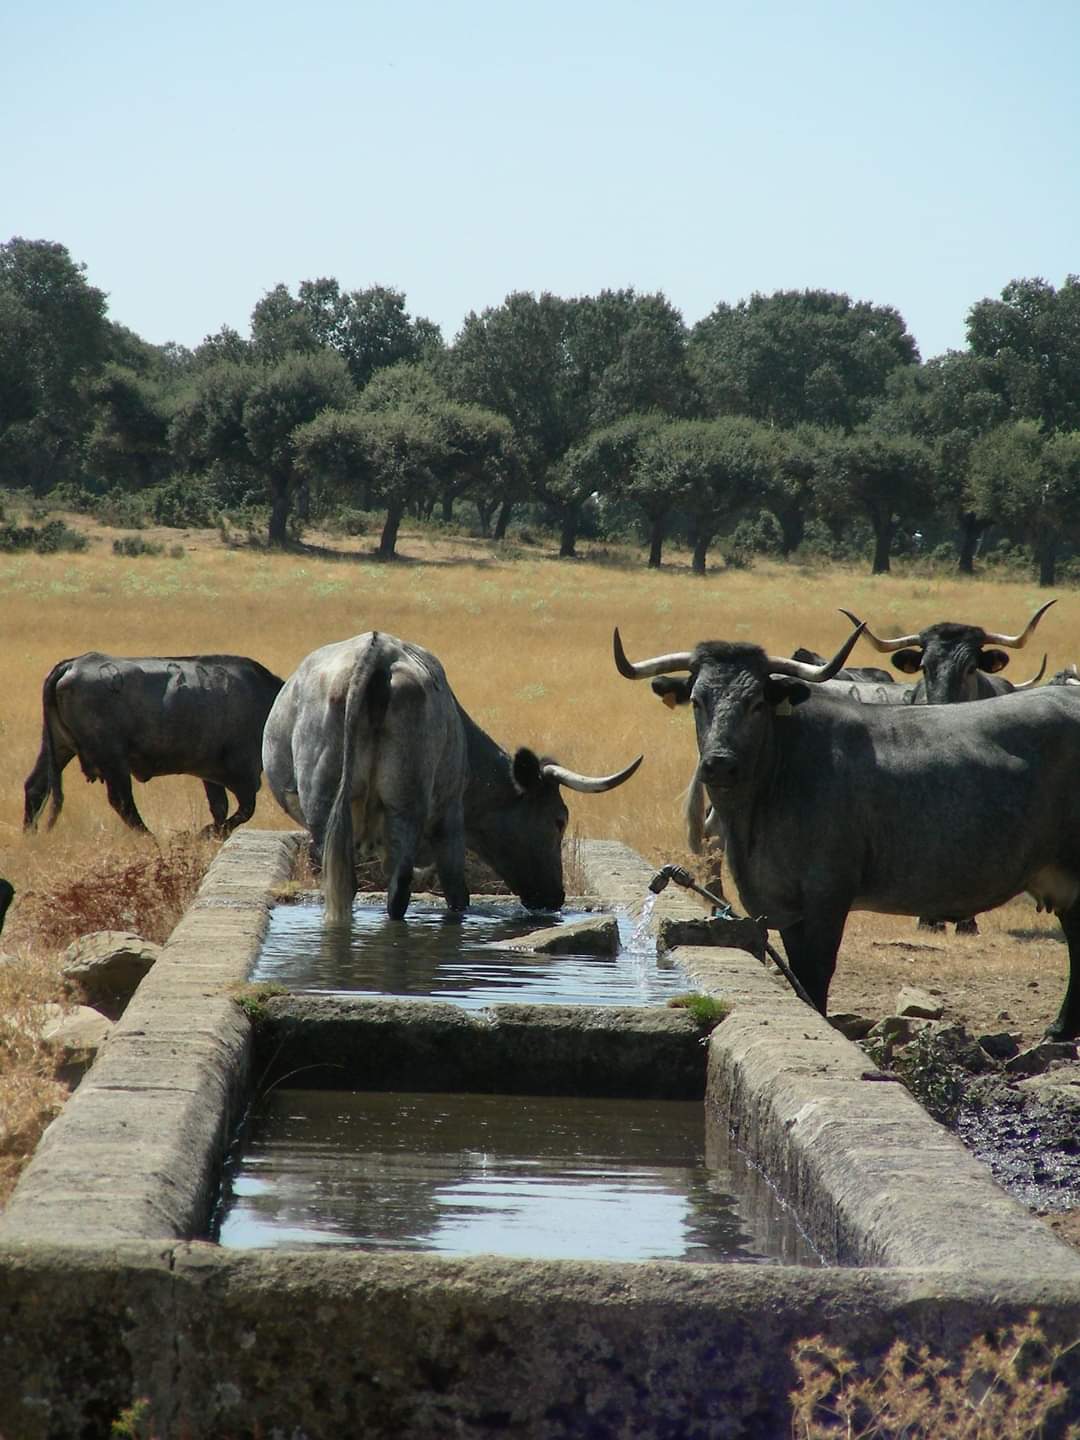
(1031, 933)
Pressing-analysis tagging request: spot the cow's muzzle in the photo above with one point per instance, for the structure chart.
(719, 770)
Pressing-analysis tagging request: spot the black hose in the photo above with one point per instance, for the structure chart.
(682, 877)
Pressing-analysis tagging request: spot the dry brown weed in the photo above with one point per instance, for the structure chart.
(1001, 1387)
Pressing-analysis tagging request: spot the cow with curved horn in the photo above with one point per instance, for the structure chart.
(831, 807)
(952, 660)
(368, 748)
(956, 666)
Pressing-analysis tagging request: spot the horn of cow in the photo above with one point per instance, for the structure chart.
(886, 647)
(1027, 684)
(640, 670)
(778, 664)
(588, 784)
(783, 665)
(1017, 642)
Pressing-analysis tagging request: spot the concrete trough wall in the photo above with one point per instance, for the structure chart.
(105, 1297)
(632, 1053)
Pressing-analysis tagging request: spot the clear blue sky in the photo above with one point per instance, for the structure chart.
(916, 153)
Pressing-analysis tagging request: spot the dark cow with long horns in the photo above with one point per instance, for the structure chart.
(196, 715)
(952, 660)
(954, 666)
(368, 747)
(831, 807)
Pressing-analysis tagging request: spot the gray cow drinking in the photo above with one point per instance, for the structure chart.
(826, 808)
(368, 747)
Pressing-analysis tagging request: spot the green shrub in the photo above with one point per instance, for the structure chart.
(182, 502)
(127, 512)
(47, 539)
(133, 546)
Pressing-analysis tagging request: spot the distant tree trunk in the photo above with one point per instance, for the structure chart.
(388, 539)
(968, 542)
(485, 508)
(884, 530)
(792, 522)
(568, 533)
(1046, 548)
(447, 506)
(279, 512)
(657, 531)
(702, 541)
(506, 509)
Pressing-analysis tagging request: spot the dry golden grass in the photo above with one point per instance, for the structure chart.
(526, 641)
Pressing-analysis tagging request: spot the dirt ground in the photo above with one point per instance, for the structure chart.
(1011, 976)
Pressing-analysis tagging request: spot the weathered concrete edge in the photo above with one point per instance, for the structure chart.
(135, 1152)
(509, 1049)
(396, 1344)
(872, 1178)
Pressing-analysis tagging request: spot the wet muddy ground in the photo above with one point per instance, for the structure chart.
(1009, 979)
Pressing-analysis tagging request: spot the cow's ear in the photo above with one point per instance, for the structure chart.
(909, 661)
(672, 691)
(781, 692)
(527, 774)
(992, 661)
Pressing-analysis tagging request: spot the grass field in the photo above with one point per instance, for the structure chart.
(526, 642)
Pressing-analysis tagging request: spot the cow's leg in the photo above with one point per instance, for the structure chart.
(925, 924)
(245, 808)
(218, 800)
(36, 786)
(449, 844)
(967, 927)
(403, 831)
(1067, 1024)
(811, 947)
(118, 786)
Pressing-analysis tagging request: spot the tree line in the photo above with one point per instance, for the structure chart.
(778, 413)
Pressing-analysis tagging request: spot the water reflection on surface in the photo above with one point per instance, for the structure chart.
(545, 1177)
(435, 955)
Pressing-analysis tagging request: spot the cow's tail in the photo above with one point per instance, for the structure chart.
(43, 783)
(366, 702)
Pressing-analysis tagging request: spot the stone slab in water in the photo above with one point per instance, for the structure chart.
(596, 936)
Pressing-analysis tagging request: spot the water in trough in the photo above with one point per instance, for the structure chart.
(434, 956)
(539, 1176)
(548, 1177)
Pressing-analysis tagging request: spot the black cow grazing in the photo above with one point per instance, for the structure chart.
(952, 660)
(199, 715)
(906, 810)
(368, 747)
(7, 894)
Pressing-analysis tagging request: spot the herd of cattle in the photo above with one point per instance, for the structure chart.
(829, 789)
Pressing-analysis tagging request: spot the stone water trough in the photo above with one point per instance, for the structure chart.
(111, 1296)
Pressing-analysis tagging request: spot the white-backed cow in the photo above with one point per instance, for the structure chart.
(368, 748)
